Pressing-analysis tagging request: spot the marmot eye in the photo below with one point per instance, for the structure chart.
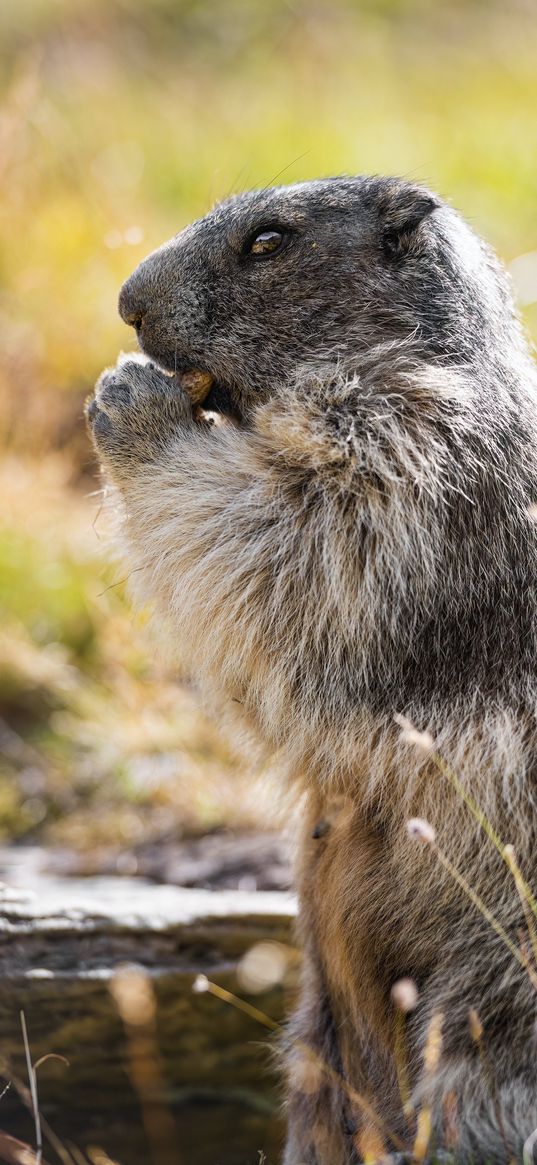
(266, 243)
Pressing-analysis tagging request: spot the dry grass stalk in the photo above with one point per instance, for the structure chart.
(33, 1092)
(98, 1156)
(134, 997)
(422, 831)
(510, 858)
(425, 742)
(405, 997)
(431, 1058)
(25, 1095)
(476, 1032)
(77, 1155)
(203, 984)
(15, 1152)
(450, 1110)
(370, 1145)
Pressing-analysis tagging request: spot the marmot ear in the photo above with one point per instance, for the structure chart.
(401, 210)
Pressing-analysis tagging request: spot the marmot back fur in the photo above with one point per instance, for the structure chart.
(359, 545)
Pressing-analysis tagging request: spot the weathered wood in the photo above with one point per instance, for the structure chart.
(58, 952)
(215, 861)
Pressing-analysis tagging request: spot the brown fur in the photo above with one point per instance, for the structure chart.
(358, 546)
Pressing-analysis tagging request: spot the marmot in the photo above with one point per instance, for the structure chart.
(359, 546)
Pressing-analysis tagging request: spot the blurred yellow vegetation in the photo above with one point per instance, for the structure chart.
(120, 122)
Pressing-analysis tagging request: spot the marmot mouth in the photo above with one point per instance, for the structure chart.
(205, 390)
(209, 394)
(195, 381)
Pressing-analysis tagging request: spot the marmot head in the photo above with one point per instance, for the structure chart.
(317, 272)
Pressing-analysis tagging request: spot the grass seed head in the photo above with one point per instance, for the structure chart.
(405, 995)
(421, 830)
(411, 735)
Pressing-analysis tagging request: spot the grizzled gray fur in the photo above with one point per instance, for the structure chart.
(339, 539)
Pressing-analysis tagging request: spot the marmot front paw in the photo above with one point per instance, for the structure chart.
(134, 412)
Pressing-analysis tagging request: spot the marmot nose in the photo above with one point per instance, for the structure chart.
(131, 304)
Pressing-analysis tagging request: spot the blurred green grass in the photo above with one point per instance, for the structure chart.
(120, 122)
(101, 748)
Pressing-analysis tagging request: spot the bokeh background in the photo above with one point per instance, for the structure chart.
(122, 120)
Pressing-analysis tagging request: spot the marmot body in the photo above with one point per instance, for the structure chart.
(360, 544)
